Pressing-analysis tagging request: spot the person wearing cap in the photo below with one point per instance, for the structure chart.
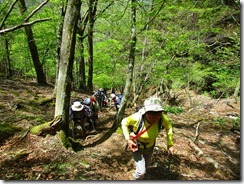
(94, 110)
(100, 96)
(141, 141)
(116, 101)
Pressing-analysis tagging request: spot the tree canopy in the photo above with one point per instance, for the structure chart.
(181, 44)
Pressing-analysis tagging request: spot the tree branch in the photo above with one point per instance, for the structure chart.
(22, 25)
(25, 23)
(152, 18)
(35, 10)
(9, 11)
(101, 13)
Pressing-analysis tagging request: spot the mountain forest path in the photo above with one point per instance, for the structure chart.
(207, 143)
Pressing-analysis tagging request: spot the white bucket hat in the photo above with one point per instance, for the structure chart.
(77, 106)
(153, 104)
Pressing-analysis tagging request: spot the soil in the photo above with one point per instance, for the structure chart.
(206, 141)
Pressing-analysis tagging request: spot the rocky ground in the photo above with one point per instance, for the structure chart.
(206, 136)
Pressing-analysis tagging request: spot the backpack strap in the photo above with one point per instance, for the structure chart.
(138, 133)
(141, 123)
(142, 132)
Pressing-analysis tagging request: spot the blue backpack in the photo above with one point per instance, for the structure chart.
(120, 97)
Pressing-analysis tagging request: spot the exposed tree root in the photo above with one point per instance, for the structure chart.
(48, 128)
(201, 154)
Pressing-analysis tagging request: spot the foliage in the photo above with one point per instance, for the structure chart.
(189, 44)
(173, 109)
(227, 123)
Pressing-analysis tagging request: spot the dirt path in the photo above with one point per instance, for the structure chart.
(214, 156)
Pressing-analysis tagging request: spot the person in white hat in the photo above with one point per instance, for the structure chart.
(77, 106)
(141, 130)
(80, 114)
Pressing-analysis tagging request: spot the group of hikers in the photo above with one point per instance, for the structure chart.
(140, 129)
(86, 110)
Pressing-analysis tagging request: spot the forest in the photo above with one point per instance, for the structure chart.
(54, 51)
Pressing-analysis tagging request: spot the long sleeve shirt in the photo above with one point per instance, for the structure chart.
(151, 134)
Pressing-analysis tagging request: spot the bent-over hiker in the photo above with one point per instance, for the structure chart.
(93, 105)
(141, 130)
(80, 114)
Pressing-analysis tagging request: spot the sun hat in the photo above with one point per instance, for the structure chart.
(153, 104)
(77, 106)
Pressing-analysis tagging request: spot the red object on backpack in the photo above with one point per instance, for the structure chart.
(92, 98)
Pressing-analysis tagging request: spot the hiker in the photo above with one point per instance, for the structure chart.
(141, 130)
(93, 105)
(96, 105)
(80, 114)
(117, 100)
(101, 97)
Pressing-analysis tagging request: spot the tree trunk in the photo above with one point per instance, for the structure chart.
(66, 62)
(129, 79)
(41, 78)
(81, 30)
(91, 15)
(8, 67)
(58, 45)
(82, 74)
